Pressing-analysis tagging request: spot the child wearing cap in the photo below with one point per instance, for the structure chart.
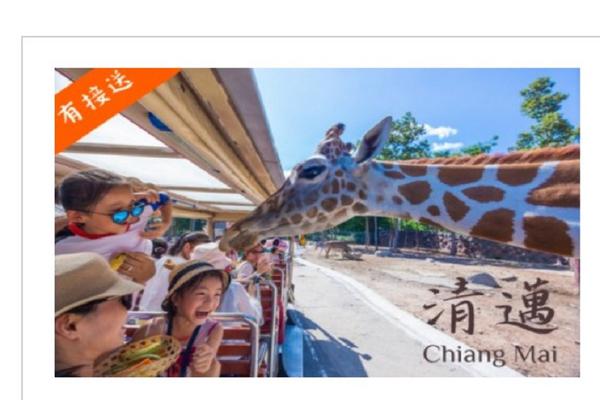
(105, 216)
(91, 303)
(195, 290)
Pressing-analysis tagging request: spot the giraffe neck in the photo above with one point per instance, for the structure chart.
(534, 206)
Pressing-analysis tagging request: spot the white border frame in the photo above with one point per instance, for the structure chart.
(42, 55)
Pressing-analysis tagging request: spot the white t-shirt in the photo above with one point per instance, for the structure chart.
(237, 300)
(157, 287)
(67, 242)
(244, 270)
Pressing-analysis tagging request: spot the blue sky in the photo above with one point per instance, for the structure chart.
(458, 106)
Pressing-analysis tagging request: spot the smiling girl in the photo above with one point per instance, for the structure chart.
(195, 290)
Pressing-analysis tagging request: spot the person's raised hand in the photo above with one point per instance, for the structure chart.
(202, 359)
(138, 266)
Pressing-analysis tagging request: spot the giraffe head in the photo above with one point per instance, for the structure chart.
(321, 192)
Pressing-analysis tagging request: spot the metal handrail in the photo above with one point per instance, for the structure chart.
(274, 324)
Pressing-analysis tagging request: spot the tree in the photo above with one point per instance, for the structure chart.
(543, 105)
(480, 147)
(406, 140)
(472, 150)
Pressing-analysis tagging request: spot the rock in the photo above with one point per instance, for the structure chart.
(509, 279)
(383, 253)
(484, 279)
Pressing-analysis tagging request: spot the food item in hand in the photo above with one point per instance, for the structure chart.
(117, 261)
(142, 358)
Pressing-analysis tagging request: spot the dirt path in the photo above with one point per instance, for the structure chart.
(406, 282)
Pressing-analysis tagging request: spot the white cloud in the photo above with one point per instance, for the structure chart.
(441, 131)
(287, 172)
(446, 146)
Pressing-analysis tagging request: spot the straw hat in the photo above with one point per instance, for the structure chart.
(84, 277)
(182, 273)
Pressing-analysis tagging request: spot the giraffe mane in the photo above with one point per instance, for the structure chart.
(566, 153)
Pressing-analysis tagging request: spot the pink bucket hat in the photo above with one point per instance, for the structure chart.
(210, 253)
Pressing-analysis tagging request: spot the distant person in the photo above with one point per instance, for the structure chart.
(255, 261)
(156, 288)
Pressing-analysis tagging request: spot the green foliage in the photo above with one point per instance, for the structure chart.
(406, 140)
(443, 154)
(480, 147)
(538, 99)
(183, 225)
(543, 105)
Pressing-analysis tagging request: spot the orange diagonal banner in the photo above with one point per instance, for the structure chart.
(97, 96)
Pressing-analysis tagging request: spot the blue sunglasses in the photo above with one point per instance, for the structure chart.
(120, 216)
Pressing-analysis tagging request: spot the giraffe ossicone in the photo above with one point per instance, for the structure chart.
(525, 199)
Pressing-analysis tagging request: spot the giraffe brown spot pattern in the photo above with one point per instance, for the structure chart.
(311, 198)
(379, 199)
(340, 214)
(433, 210)
(495, 225)
(284, 222)
(326, 188)
(346, 200)
(329, 204)
(414, 170)
(351, 186)
(459, 175)
(547, 234)
(362, 194)
(296, 218)
(397, 199)
(455, 207)
(335, 187)
(415, 192)
(360, 208)
(484, 194)
(394, 174)
(339, 173)
(561, 189)
(312, 212)
(515, 175)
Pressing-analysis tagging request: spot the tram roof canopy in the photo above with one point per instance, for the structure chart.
(217, 157)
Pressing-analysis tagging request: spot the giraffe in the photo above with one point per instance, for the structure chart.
(525, 199)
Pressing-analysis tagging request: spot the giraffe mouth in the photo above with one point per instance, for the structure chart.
(236, 239)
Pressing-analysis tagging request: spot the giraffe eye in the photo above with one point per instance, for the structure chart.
(312, 172)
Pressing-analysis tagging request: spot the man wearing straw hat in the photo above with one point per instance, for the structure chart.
(90, 310)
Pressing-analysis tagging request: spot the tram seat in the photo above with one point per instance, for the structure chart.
(241, 353)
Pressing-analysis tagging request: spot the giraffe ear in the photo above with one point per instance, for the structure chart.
(373, 141)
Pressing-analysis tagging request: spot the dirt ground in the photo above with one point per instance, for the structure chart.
(406, 280)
